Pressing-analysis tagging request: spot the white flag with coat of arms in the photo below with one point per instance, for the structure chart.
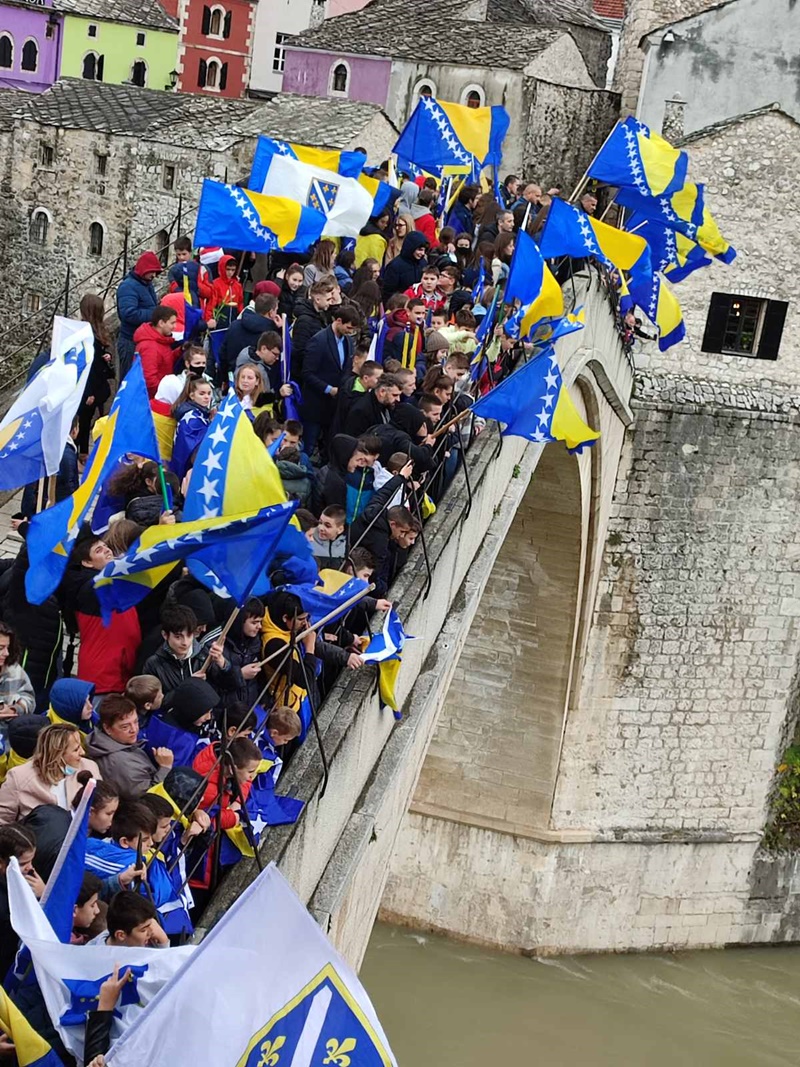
(265, 987)
(345, 202)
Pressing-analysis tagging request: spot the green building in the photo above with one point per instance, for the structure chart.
(119, 41)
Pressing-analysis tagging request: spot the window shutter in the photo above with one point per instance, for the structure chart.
(223, 76)
(226, 29)
(100, 65)
(201, 74)
(772, 330)
(206, 22)
(715, 323)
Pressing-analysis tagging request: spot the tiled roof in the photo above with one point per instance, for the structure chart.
(185, 118)
(374, 31)
(139, 12)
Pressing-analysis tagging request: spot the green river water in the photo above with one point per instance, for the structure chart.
(444, 1004)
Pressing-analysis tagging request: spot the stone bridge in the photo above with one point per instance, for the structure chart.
(603, 681)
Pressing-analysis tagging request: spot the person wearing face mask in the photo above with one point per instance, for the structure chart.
(50, 777)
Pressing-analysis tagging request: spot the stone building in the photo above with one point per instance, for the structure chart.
(85, 165)
(730, 55)
(544, 68)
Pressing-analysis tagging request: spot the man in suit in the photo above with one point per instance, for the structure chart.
(327, 363)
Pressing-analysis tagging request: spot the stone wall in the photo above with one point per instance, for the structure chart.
(641, 17)
(750, 175)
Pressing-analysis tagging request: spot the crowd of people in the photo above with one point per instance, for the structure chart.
(356, 364)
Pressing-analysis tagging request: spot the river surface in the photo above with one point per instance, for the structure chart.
(444, 1004)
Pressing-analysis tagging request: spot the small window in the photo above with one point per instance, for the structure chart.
(30, 55)
(49, 31)
(40, 225)
(139, 73)
(31, 303)
(168, 177)
(140, 40)
(212, 74)
(6, 52)
(96, 236)
(215, 25)
(46, 155)
(93, 67)
(340, 76)
(744, 326)
(279, 55)
(473, 96)
(101, 165)
(426, 89)
(92, 30)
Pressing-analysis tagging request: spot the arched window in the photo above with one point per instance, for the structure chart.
(96, 238)
(473, 96)
(6, 51)
(425, 89)
(212, 74)
(215, 26)
(139, 73)
(340, 78)
(93, 67)
(40, 226)
(161, 247)
(30, 55)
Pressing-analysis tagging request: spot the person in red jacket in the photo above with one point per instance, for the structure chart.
(227, 296)
(241, 767)
(424, 220)
(154, 344)
(107, 654)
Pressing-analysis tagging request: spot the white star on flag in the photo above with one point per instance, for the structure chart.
(544, 418)
(551, 379)
(212, 462)
(121, 566)
(145, 555)
(218, 436)
(208, 490)
(259, 824)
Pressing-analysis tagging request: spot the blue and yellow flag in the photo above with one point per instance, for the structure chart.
(239, 218)
(637, 157)
(663, 310)
(383, 194)
(348, 164)
(535, 404)
(333, 589)
(52, 534)
(673, 254)
(386, 649)
(230, 552)
(569, 231)
(531, 282)
(30, 1048)
(684, 211)
(440, 134)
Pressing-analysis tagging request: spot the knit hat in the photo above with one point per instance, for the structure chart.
(23, 731)
(184, 786)
(67, 698)
(190, 701)
(270, 288)
(200, 603)
(436, 342)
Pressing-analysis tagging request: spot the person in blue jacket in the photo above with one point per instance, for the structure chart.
(136, 301)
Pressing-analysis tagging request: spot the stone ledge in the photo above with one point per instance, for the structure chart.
(765, 400)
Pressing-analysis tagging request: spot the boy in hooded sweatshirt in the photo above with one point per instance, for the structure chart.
(227, 296)
(181, 655)
(179, 724)
(71, 701)
(328, 539)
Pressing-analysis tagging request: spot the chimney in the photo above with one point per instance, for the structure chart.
(673, 126)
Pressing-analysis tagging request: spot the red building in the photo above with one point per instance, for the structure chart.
(215, 45)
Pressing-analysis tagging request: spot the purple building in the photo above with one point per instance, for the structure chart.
(30, 44)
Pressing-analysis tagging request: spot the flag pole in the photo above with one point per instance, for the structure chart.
(40, 496)
(51, 490)
(580, 186)
(222, 636)
(162, 479)
(328, 618)
(443, 429)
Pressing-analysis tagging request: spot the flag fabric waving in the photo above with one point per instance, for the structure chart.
(347, 164)
(383, 193)
(341, 199)
(531, 282)
(332, 590)
(312, 1010)
(254, 222)
(233, 550)
(34, 433)
(673, 254)
(441, 134)
(636, 156)
(684, 211)
(569, 231)
(291, 404)
(30, 1049)
(386, 649)
(663, 310)
(70, 976)
(535, 404)
(52, 534)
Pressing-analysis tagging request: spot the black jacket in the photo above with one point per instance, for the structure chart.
(404, 270)
(365, 412)
(307, 322)
(38, 628)
(322, 368)
(244, 333)
(376, 537)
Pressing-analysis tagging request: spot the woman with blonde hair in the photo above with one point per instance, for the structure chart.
(51, 777)
(248, 385)
(403, 226)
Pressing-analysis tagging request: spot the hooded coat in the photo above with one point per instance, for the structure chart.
(308, 321)
(170, 670)
(404, 270)
(157, 353)
(68, 698)
(336, 485)
(366, 411)
(401, 434)
(244, 333)
(129, 768)
(226, 295)
(137, 298)
(376, 537)
(174, 726)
